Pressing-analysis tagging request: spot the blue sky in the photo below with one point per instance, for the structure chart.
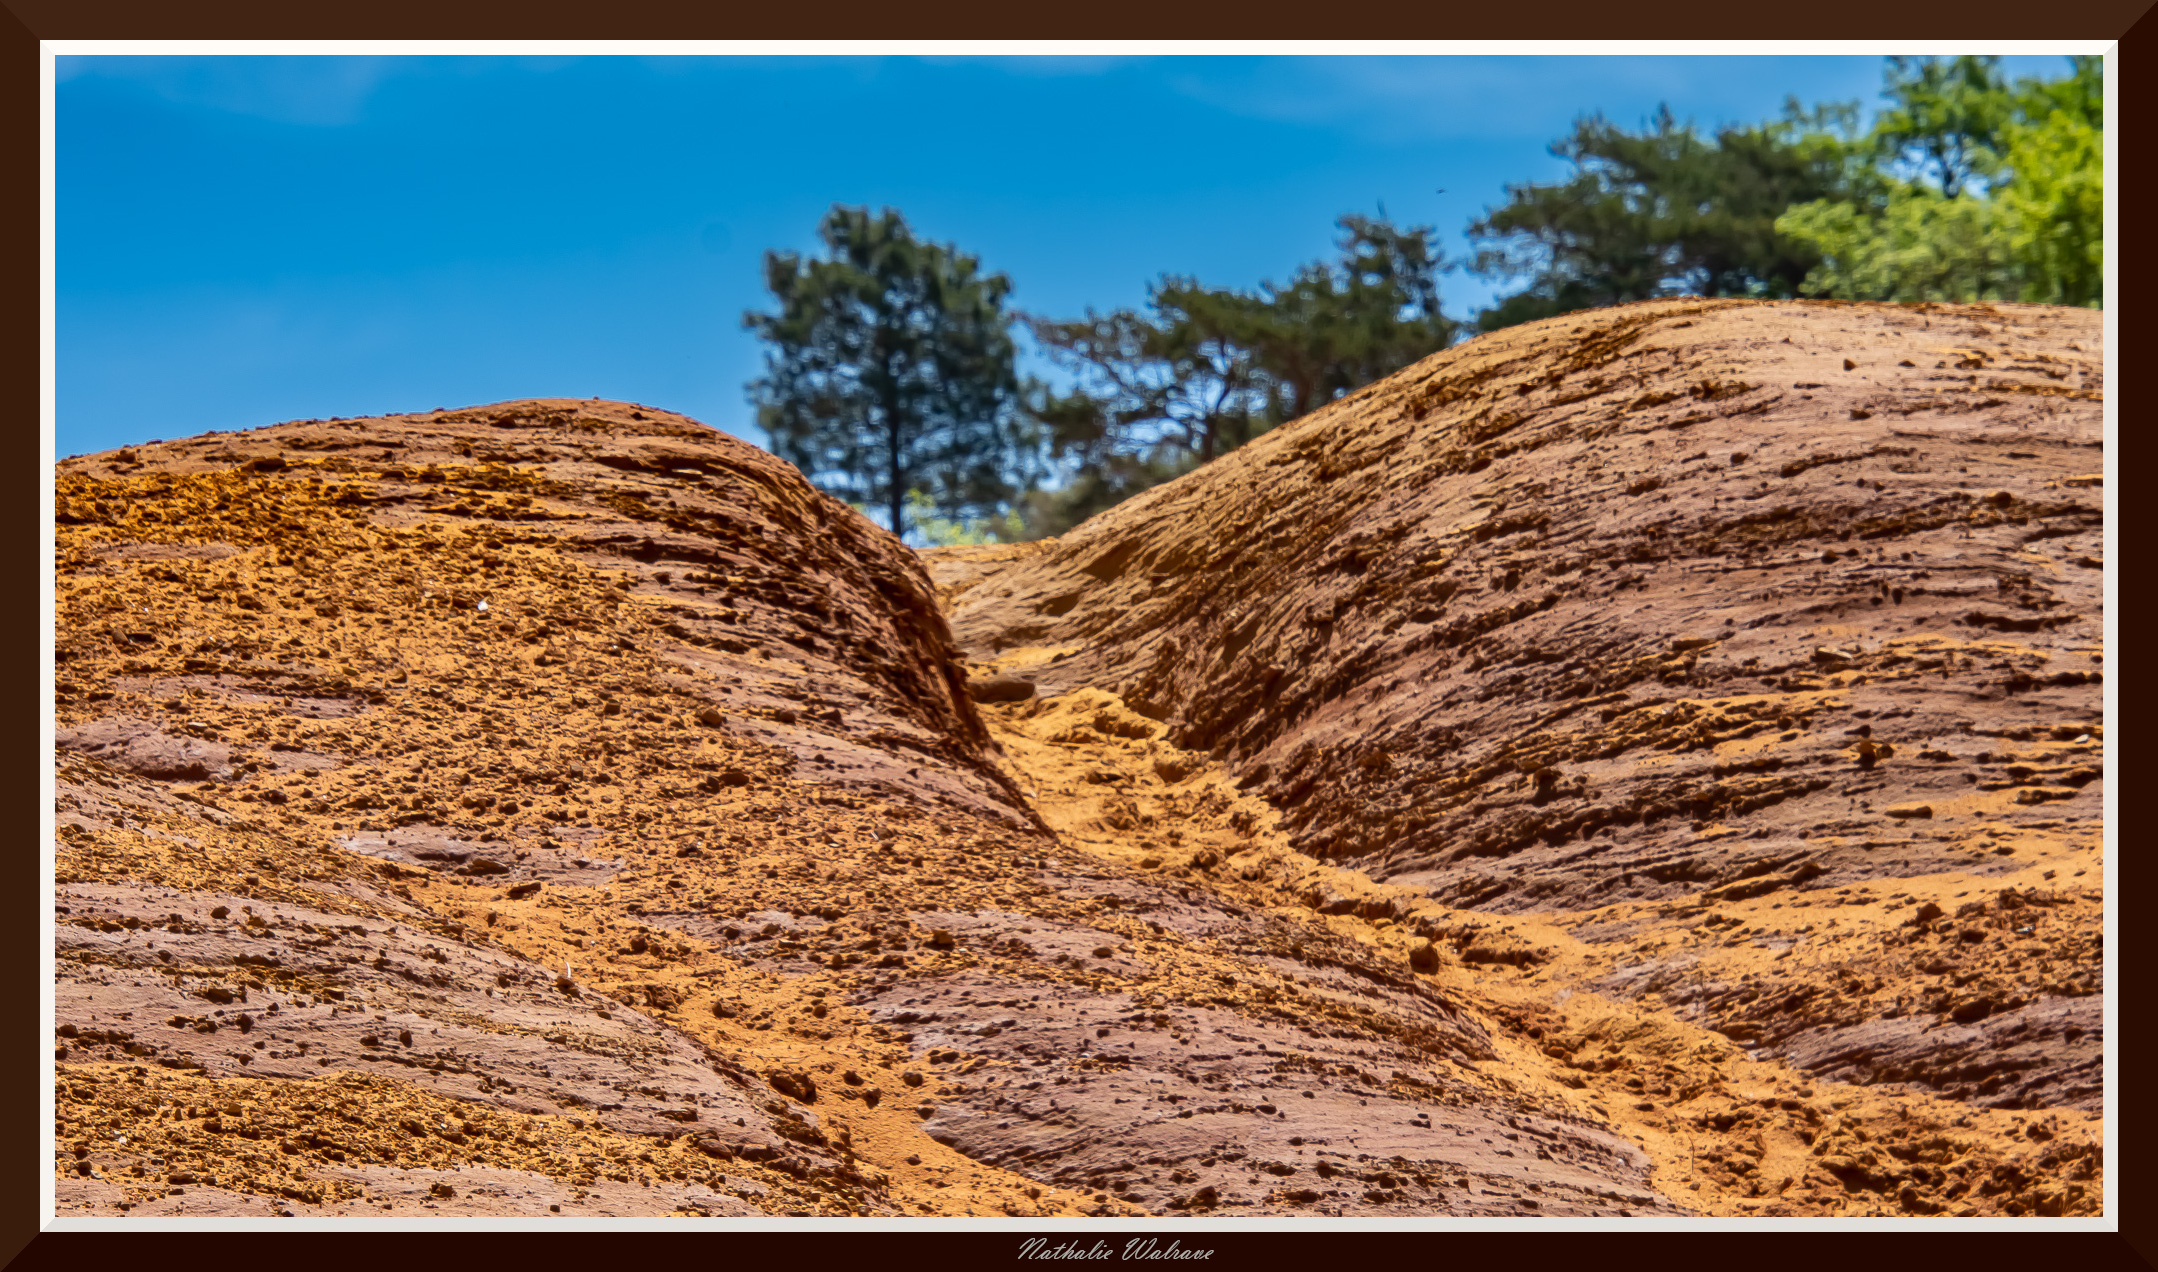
(244, 240)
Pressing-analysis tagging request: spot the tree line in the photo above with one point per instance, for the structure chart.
(890, 373)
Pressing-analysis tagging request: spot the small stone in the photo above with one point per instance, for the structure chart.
(941, 939)
(1910, 810)
(1425, 957)
(710, 717)
(795, 1086)
(999, 688)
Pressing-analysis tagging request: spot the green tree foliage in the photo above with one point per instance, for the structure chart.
(1919, 245)
(1945, 118)
(2054, 206)
(1202, 370)
(1103, 462)
(1964, 188)
(1982, 191)
(890, 370)
(943, 532)
(1179, 379)
(1661, 211)
(1335, 328)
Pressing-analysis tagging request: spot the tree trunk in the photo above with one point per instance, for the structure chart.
(899, 494)
(895, 472)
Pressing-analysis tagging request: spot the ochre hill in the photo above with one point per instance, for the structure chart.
(560, 808)
(452, 806)
(1735, 663)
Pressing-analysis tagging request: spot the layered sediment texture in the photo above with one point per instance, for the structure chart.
(1749, 654)
(1579, 775)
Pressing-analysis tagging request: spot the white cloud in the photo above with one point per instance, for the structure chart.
(323, 91)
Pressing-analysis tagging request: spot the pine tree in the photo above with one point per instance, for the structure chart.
(890, 370)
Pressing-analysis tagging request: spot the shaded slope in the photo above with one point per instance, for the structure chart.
(1752, 650)
(1442, 623)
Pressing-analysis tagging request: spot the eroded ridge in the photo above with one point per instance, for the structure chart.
(392, 755)
(1735, 663)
